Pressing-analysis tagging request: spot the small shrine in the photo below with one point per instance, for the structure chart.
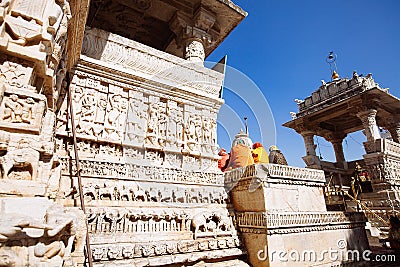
(343, 106)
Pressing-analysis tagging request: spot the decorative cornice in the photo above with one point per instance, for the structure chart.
(116, 52)
(296, 222)
(270, 172)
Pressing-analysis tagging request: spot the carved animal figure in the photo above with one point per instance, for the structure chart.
(153, 194)
(179, 196)
(199, 222)
(25, 157)
(124, 193)
(139, 194)
(107, 192)
(90, 191)
(167, 196)
(193, 196)
(225, 223)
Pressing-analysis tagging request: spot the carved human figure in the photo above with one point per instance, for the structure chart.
(198, 128)
(213, 131)
(59, 29)
(18, 110)
(114, 217)
(112, 118)
(190, 129)
(207, 130)
(152, 123)
(77, 104)
(88, 107)
(11, 72)
(162, 122)
(172, 124)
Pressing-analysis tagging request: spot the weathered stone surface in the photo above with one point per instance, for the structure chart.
(281, 209)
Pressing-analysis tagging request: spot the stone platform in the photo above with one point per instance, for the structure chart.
(281, 209)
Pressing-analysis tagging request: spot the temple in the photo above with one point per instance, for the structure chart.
(344, 106)
(109, 153)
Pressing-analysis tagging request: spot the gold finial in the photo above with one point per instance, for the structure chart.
(331, 60)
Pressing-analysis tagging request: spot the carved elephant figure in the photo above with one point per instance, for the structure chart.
(200, 222)
(25, 158)
(153, 194)
(225, 223)
(138, 194)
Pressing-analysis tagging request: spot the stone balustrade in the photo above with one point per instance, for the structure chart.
(383, 145)
(295, 219)
(264, 171)
(149, 63)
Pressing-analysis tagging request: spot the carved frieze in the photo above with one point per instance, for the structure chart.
(22, 110)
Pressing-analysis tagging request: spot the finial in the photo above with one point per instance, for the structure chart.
(247, 126)
(331, 60)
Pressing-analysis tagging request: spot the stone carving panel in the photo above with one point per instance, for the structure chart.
(53, 236)
(15, 72)
(116, 170)
(99, 110)
(136, 123)
(22, 111)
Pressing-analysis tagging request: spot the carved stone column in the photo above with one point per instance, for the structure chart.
(368, 119)
(336, 140)
(311, 159)
(338, 148)
(308, 137)
(394, 129)
(194, 34)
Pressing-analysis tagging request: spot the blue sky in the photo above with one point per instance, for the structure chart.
(281, 46)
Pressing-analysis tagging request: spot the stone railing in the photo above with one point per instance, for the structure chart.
(149, 63)
(275, 171)
(383, 145)
(251, 219)
(296, 219)
(336, 91)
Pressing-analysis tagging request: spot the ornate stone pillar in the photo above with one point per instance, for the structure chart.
(394, 129)
(194, 34)
(368, 119)
(338, 148)
(311, 159)
(336, 140)
(308, 137)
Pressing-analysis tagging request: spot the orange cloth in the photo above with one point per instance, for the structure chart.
(260, 155)
(223, 162)
(240, 157)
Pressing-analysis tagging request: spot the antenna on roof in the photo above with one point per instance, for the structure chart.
(331, 60)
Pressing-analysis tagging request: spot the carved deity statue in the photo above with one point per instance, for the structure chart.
(152, 124)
